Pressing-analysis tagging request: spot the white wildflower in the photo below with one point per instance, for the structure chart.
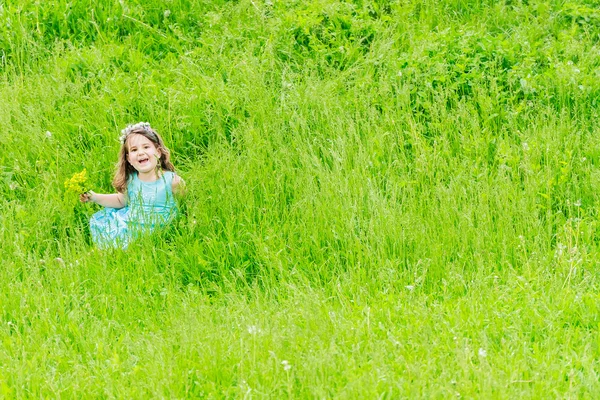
(167, 13)
(48, 134)
(482, 352)
(286, 365)
(523, 83)
(253, 330)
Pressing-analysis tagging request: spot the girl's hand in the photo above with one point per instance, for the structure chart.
(86, 197)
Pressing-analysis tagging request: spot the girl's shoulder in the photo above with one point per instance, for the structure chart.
(178, 184)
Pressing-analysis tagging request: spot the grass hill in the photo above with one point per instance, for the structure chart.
(386, 199)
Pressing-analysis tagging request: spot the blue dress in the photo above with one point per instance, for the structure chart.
(149, 205)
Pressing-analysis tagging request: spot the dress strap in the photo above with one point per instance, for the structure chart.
(132, 182)
(168, 177)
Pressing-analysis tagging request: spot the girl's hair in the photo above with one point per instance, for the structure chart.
(124, 169)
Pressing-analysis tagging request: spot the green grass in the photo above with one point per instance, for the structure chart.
(389, 199)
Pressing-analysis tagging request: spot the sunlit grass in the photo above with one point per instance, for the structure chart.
(389, 199)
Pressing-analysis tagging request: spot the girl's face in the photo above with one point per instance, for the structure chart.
(142, 154)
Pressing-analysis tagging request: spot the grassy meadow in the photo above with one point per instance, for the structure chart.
(386, 199)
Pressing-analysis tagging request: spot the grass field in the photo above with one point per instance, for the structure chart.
(386, 199)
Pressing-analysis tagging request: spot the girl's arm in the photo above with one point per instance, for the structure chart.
(115, 200)
(178, 185)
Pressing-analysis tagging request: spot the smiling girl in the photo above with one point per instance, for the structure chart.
(145, 181)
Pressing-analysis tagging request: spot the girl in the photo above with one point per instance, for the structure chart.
(145, 181)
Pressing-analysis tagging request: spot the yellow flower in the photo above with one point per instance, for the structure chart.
(78, 183)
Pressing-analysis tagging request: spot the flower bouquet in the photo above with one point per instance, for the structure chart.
(78, 183)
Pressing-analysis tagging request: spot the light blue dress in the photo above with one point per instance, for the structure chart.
(150, 205)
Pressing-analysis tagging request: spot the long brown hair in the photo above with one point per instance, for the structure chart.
(124, 169)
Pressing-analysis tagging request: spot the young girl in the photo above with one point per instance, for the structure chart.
(145, 181)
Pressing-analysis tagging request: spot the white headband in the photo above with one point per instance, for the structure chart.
(130, 128)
